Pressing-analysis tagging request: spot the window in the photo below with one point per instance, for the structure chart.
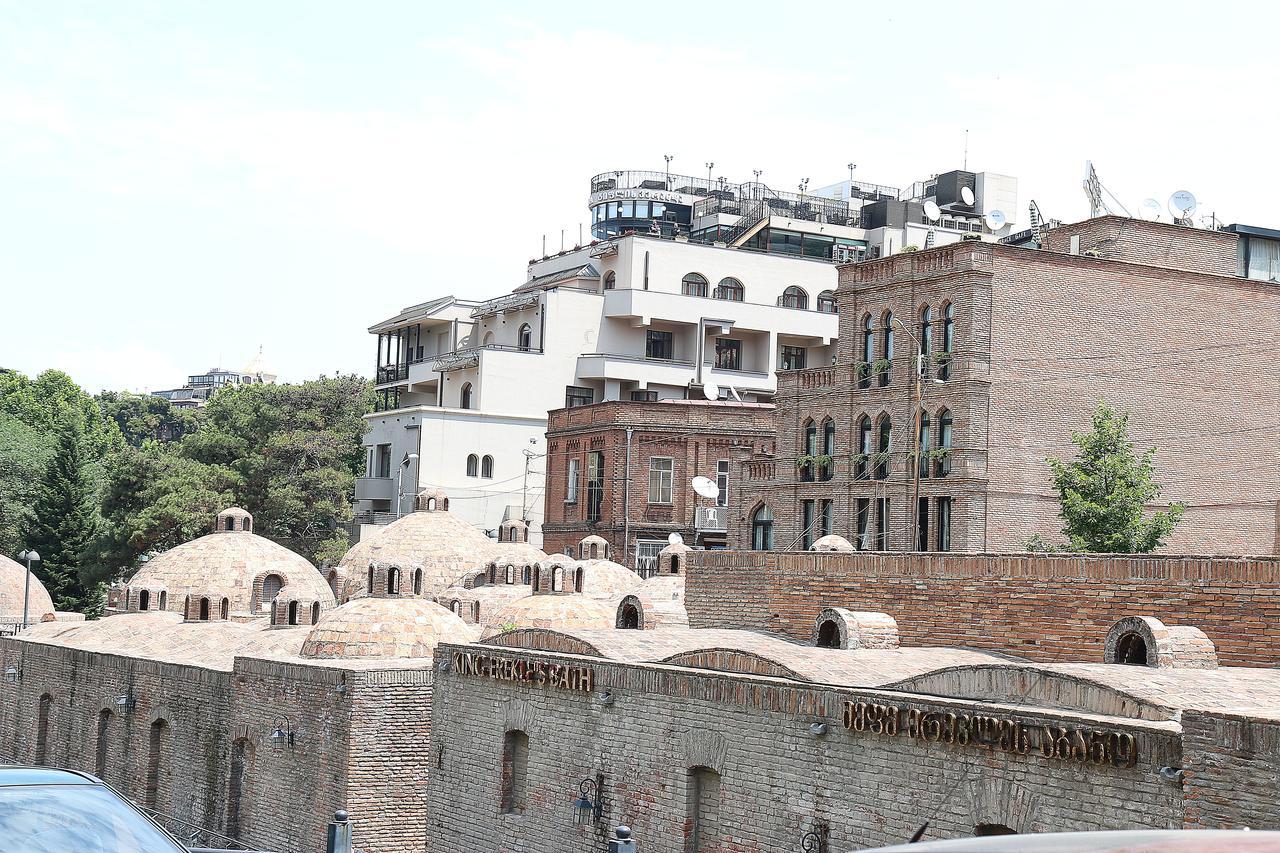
(729, 289)
(806, 525)
(629, 617)
(42, 730)
(944, 524)
(868, 352)
(1131, 649)
(525, 340)
(224, 611)
(515, 771)
(644, 396)
(610, 280)
(883, 449)
(791, 358)
(728, 354)
(486, 467)
(922, 524)
(557, 578)
(926, 336)
(660, 480)
(473, 465)
(882, 524)
(102, 744)
(155, 763)
(576, 395)
(577, 580)
(571, 482)
(827, 469)
(694, 285)
(887, 349)
(943, 466)
(464, 396)
(794, 297)
(810, 450)
(703, 811)
(862, 522)
(315, 612)
(762, 529)
(384, 461)
(659, 345)
(948, 340)
(144, 597)
(864, 448)
(595, 484)
(828, 635)
(922, 446)
(293, 613)
(722, 482)
(827, 302)
(204, 610)
(825, 518)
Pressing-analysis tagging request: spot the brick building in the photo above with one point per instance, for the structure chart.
(621, 471)
(1019, 346)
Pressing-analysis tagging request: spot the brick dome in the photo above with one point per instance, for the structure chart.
(384, 628)
(13, 578)
(832, 542)
(238, 565)
(605, 577)
(557, 612)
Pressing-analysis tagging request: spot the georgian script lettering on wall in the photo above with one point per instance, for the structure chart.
(1079, 745)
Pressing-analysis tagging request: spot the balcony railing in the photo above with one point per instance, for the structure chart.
(392, 373)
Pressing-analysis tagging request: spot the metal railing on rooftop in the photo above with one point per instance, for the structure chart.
(725, 190)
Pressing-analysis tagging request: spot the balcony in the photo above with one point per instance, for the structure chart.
(642, 307)
(711, 519)
(632, 368)
(375, 488)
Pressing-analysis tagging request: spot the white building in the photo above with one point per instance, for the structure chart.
(201, 386)
(694, 289)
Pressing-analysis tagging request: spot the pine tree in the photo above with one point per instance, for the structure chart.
(65, 522)
(1105, 490)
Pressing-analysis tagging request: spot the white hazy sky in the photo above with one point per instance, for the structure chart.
(183, 182)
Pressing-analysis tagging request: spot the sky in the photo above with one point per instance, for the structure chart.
(183, 183)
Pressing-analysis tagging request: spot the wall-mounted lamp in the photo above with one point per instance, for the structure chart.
(283, 734)
(815, 840)
(818, 729)
(589, 805)
(12, 675)
(126, 702)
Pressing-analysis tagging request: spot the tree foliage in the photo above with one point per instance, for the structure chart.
(145, 417)
(65, 522)
(1105, 491)
(24, 455)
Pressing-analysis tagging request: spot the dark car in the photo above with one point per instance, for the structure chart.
(44, 810)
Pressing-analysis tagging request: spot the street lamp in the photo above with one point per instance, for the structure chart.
(30, 557)
(283, 734)
(12, 674)
(404, 463)
(668, 158)
(589, 805)
(710, 166)
(917, 444)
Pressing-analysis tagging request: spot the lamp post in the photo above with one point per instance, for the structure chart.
(668, 158)
(29, 557)
(914, 509)
(852, 166)
(588, 807)
(710, 166)
(283, 734)
(408, 458)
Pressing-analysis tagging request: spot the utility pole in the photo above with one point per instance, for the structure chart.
(529, 456)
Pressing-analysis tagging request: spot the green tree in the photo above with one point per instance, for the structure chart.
(1104, 492)
(65, 523)
(145, 417)
(24, 455)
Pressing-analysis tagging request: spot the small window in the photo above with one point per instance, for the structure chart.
(417, 582)
(1131, 649)
(794, 297)
(644, 396)
(464, 396)
(473, 465)
(526, 338)
(659, 344)
(791, 358)
(883, 449)
(576, 395)
(144, 599)
(571, 482)
(315, 612)
(728, 354)
(293, 613)
(944, 524)
(515, 771)
(868, 352)
(610, 280)
(660, 480)
(762, 529)
(204, 610)
(827, 302)
(225, 609)
(948, 340)
(486, 467)
(729, 289)
(722, 482)
(557, 579)
(694, 285)
(886, 351)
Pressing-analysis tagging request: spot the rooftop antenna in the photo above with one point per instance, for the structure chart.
(1182, 204)
(544, 245)
(852, 166)
(995, 220)
(1149, 210)
(931, 211)
(966, 150)
(711, 390)
(1094, 189)
(1037, 222)
(710, 166)
(966, 196)
(562, 239)
(706, 487)
(668, 158)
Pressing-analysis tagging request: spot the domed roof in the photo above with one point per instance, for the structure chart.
(443, 545)
(558, 612)
(13, 579)
(515, 553)
(384, 628)
(230, 563)
(832, 542)
(661, 588)
(605, 577)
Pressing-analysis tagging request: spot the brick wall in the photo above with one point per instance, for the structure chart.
(1042, 607)
(777, 780)
(1155, 243)
(1233, 763)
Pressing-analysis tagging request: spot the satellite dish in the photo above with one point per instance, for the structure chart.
(675, 539)
(995, 220)
(931, 211)
(1182, 204)
(706, 487)
(966, 195)
(711, 390)
(1149, 209)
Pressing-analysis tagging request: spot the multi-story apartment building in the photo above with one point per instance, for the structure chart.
(622, 471)
(201, 386)
(1172, 324)
(693, 286)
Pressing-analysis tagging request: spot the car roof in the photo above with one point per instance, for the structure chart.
(11, 776)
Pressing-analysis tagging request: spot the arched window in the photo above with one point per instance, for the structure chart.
(826, 470)
(456, 607)
(794, 297)
(827, 302)
(537, 580)
(515, 771)
(155, 763)
(829, 635)
(922, 446)
(486, 467)
(144, 599)
(271, 586)
(883, 448)
(630, 617)
(886, 351)
(464, 396)
(333, 582)
(577, 580)
(229, 523)
(103, 743)
(806, 464)
(370, 588)
(241, 752)
(511, 574)
(1131, 649)
(315, 612)
(864, 447)
(948, 340)
(943, 468)
(164, 599)
(473, 465)
(417, 581)
(393, 581)
(610, 280)
(224, 611)
(557, 579)
(693, 285)
(702, 805)
(204, 610)
(42, 730)
(675, 564)
(526, 338)
(762, 529)
(926, 337)
(729, 289)
(868, 352)
(293, 613)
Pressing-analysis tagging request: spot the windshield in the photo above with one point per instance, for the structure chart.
(80, 818)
